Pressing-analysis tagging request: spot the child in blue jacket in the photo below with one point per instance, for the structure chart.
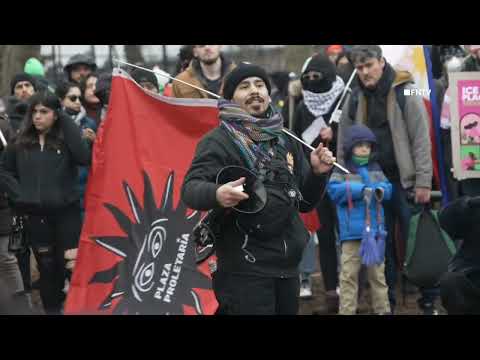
(358, 197)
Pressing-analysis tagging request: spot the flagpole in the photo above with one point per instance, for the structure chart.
(169, 77)
(2, 138)
(347, 86)
(219, 97)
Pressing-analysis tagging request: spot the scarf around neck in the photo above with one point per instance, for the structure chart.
(360, 160)
(320, 103)
(252, 135)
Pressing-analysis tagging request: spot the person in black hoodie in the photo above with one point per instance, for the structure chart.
(39, 173)
(460, 286)
(322, 89)
(258, 253)
(78, 67)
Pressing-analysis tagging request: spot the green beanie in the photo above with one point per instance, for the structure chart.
(34, 67)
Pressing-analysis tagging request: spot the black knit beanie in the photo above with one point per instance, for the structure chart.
(242, 71)
(22, 77)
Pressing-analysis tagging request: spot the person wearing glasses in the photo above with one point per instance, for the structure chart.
(70, 96)
(39, 174)
(321, 91)
(258, 250)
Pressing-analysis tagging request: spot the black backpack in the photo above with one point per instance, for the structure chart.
(429, 250)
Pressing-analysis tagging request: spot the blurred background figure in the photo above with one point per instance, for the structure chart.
(333, 51)
(35, 68)
(146, 80)
(90, 101)
(78, 67)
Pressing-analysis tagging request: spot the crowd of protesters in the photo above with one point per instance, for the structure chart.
(48, 131)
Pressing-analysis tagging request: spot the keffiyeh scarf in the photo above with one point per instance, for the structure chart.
(320, 104)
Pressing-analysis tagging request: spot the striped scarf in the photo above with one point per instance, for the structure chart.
(252, 135)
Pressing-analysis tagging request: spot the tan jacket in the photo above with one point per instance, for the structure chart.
(410, 133)
(190, 76)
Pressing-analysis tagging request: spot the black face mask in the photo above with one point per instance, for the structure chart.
(317, 86)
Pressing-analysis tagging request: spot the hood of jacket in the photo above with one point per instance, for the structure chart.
(354, 135)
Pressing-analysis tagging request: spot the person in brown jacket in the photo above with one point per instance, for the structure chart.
(207, 71)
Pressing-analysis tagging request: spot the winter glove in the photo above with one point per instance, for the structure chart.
(367, 194)
(70, 258)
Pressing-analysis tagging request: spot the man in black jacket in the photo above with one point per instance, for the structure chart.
(258, 253)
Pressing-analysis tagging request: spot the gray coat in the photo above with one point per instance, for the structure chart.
(410, 132)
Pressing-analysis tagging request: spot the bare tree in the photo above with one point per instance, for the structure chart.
(134, 55)
(12, 61)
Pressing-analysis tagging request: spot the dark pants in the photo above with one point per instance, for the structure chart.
(255, 295)
(399, 208)
(327, 243)
(49, 237)
(23, 259)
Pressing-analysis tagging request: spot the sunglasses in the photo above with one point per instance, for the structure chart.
(73, 98)
(312, 77)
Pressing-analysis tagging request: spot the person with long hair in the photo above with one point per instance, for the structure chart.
(70, 96)
(39, 173)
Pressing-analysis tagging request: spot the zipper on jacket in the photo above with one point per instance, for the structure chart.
(285, 246)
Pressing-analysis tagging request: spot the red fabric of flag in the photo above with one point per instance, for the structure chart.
(136, 254)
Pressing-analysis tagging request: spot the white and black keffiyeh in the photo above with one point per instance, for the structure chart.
(320, 104)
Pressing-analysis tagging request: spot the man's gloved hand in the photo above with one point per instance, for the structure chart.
(70, 258)
(367, 194)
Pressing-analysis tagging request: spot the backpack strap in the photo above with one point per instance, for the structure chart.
(399, 95)
(352, 110)
(446, 238)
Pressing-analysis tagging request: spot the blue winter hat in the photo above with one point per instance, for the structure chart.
(355, 134)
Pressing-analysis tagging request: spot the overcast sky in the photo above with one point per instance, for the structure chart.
(101, 51)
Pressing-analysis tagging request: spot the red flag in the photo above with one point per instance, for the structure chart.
(311, 221)
(135, 254)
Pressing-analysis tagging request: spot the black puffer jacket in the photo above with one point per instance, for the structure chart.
(278, 249)
(46, 179)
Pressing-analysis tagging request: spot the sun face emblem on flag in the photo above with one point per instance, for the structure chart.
(158, 274)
